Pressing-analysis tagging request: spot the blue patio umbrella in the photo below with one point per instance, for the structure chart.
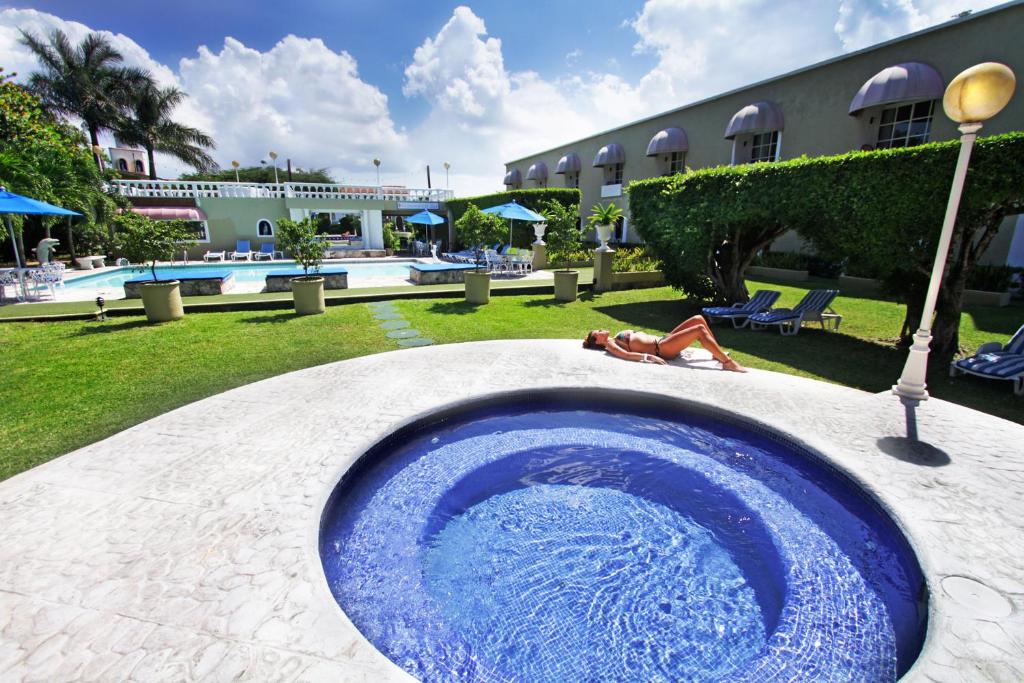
(513, 211)
(15, 203)
(425, 218)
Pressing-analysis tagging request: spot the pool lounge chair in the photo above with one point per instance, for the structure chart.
(209, 256)
(242, 251)
(813, 307)
(995, 361)
(267, 252)
(739, 314)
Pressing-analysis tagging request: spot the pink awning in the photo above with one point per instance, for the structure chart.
(170, 213)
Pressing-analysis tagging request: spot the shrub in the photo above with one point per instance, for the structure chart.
(301, 239)
(990, 278)
(144, 240)
(782, 259)
(475, 227)
(563, 235)
(390, 238)
(634, 260)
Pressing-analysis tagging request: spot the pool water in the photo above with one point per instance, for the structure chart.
(552, 542)
(244, 272)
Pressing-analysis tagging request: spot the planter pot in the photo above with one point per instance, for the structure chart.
(604, 233)
(162, 301)
(478, 288)
(308, 294)
(977, 297)
(565, 284)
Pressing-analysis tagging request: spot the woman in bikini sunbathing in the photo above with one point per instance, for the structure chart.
(646, 348)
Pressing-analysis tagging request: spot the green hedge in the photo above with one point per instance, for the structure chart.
(883, 208)
(532, 199)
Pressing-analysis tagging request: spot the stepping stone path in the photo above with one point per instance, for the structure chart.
(397, 327)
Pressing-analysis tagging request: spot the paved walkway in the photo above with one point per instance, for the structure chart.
(185, 548)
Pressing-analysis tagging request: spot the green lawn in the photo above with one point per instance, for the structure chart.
(67, 384)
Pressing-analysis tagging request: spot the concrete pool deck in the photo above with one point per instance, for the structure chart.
(185, 548)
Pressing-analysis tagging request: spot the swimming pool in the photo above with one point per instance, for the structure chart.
(244, 272)
(552, 541)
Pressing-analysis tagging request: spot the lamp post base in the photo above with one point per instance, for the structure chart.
(912, 383)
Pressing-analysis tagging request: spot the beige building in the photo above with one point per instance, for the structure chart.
(888, 95)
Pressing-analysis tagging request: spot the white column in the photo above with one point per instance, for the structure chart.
(373, 230)
(778, 147)
(732, 159)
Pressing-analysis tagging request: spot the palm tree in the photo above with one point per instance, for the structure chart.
(84, 80)
(149, 126)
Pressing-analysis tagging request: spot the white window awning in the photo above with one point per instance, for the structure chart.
(514, 177)
(570, 163)
(609, 155)
(537, 171)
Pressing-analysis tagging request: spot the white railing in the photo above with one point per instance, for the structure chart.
(200, 189)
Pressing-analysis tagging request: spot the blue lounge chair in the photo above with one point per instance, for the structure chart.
(739, 314)
(814, 306)
(242, 251)
(995, 361)
(267, 252)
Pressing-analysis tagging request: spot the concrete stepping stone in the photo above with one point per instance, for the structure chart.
(384, 315)
(381, 304)
(415, 341)
(394, 324)
(403, 334)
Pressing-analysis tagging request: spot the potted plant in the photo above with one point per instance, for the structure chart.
(603, 218)
(564, 240)
(143, 240)
(306, 247)
(390, 238)
(476, 228)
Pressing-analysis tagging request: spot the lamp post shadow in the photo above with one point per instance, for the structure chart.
(910, 448)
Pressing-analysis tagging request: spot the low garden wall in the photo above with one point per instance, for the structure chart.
(865, 285)
(638, 280)
(784, 274)
(439, 273)
(975, 297)
(209, 284)
(281, 281)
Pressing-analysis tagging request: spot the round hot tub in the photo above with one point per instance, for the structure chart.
(556, 537)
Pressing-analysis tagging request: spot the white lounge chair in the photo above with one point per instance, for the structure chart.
(813, 307)
(995, 361)
(739, 314)
(213, 256)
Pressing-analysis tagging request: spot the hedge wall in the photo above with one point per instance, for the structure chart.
(884, 207)
(531, 199)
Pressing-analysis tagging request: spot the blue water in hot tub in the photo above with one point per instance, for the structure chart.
(554, 541)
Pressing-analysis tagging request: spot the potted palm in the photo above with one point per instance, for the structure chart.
(475, 228)
(603, 218)
(564, 241)
(143, 240)
(306, 247)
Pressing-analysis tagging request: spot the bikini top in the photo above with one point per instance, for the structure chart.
(624, 336)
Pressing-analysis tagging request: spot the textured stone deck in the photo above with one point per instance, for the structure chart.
(185, 548)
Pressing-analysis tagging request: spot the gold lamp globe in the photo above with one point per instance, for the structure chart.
(979, 93)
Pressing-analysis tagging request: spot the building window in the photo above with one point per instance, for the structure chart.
(201, 230)
(265, 228)
(139, 168)
(572, 180)
(764, 146)
(122, 165)
(613, 174)
(677, 163)
(906, 125)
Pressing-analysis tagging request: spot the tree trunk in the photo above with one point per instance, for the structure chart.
(152, 163)
(95, 140)
(71, 242)
(946, 329)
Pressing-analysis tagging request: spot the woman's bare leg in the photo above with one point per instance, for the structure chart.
(673, 344)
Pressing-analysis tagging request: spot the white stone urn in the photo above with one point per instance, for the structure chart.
(604, 233)
(538, 230)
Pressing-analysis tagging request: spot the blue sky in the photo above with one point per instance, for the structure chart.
(335, 85)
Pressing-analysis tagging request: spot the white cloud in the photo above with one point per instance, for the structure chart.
(308, 102)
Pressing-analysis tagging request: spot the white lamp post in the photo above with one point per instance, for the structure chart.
(235, 164)
(376, 162)
(446, 167)
(973, 97)
(273, 160)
